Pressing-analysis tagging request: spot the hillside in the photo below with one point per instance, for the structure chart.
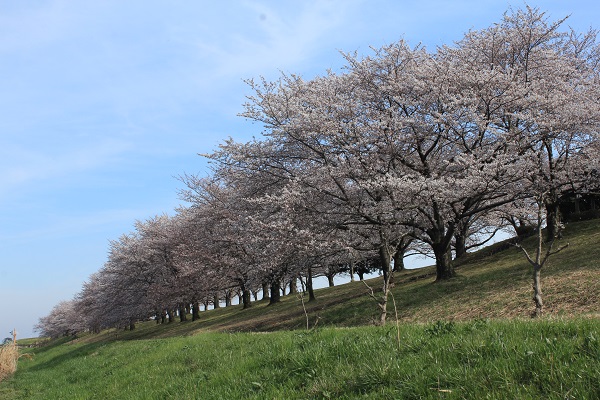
(494, 282)
(466, 338)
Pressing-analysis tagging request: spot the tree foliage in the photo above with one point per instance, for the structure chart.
(405, 148)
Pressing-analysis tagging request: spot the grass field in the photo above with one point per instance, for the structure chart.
(469, 337)
(478, 359)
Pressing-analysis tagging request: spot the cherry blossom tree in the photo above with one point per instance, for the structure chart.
(63, 320)
(548, 82)
(401, 149)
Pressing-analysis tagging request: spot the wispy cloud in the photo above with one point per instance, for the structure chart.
(26, 167)
(272, 37)
(65, 225)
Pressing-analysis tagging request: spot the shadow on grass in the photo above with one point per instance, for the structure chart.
(65, 356)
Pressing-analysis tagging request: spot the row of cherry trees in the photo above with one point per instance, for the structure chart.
(403, 150)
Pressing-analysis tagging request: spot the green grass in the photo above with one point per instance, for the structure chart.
(477, 359)
(469, 337)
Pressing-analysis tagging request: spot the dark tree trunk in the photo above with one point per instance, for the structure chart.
(577, 206)
(522, 229)
(171, 316)
(351, 271)
(441, 235)
(330, 281)
(553, 222)
(131, 324)
(399, 261)
(255, 295)
(361, 275)
(182, 314)
(275, 292)
(265, 291)
(443, 262)
(293, 286)
(195, 310)
(228, 299)
(216, 303)
(163, 316)
(460, 244)
(309, 285)
(246, 299)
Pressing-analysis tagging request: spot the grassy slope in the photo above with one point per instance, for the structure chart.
(548, 359)
(487, 286)
(508, 356)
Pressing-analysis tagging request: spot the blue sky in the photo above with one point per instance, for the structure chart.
(104, 103)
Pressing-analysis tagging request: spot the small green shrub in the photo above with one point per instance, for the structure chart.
(440, 328)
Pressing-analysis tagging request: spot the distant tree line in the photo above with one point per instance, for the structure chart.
(404, 151)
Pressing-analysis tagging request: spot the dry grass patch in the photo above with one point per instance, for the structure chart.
(9, 355)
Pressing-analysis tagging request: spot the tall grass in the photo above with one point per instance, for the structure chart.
(9, 355)
(548, 358)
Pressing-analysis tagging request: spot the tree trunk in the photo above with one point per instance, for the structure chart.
(330, 279)
(352, 271)
(195, 310)
(443, 262)
(361, 275)
(309, 285)
(131, 324)
(523, 229)
(216, 301)
(293, 286)
(537, 293)
(460, 244)
(265, 291)
(246, 299)
(385, 257)
(576, 205)
(399, 261)
(163, 316)
(228, 299)
(552, 221)
(275, 292)
(182, 314)
(541, 256)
